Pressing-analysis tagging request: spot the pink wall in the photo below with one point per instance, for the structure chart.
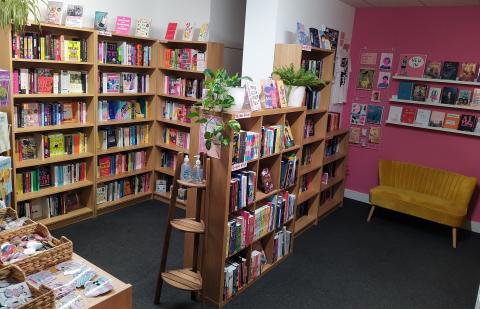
(441, 33)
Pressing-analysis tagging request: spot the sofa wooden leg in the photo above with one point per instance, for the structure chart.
(370, 214)
(454, 237)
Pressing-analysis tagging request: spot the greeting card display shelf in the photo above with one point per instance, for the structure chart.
(413, 125)
(465, 107)
(436, 80)
(85, 189)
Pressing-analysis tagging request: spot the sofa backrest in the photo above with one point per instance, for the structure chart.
(427, 180)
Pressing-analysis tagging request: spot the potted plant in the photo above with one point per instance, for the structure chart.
(233, 86)
(16, 13)
(296, 82)
(217, 100)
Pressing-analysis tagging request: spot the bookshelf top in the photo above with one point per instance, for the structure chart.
(166, 42)
(307, 48)
(116, 36)
(48, 27)
(266, 112)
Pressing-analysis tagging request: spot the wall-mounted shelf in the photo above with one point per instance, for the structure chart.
(435, 80)
(465, 107)
(412, 125)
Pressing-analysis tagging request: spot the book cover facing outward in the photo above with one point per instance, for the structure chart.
(54, 12)
(188, 31)
(203, 34)
(171, 31)
(423, 117)
(74, 16)
(122, 24)
(412, 65)
(408, 114)
(451, 121)
(143, 27)
(436, 119)
(467, 123)
(449, 70)
(4, 88)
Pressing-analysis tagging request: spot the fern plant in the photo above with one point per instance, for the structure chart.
(16, 13)
(298, 78)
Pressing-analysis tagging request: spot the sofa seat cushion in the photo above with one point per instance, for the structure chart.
(418, 204)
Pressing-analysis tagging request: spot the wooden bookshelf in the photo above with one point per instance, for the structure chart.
(213, 60)
(85, 188)
(150, 99)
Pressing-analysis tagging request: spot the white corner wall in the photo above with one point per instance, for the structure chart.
(275, 21)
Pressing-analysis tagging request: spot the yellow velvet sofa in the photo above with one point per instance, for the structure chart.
(433, 194)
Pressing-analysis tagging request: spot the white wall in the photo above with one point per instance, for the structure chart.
(259, 40)
(227, 24)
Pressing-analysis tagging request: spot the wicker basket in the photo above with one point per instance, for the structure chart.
(62, 251)
(11, 213)
(44, 298)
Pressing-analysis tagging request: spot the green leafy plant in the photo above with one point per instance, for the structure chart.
(216, 100)
(16, 12)
(299, 78)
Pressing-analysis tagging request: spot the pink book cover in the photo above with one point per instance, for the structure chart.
(15, 82)
(412, 65)
(171, 31)
(122, 24)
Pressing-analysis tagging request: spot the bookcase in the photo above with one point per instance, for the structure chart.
(127, 116)
(73, 133)
(181, 65)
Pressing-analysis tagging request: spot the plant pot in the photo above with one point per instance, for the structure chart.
(238, 94)
(295, 98)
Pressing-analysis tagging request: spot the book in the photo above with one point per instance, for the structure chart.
(434, 94)
(419, 92)
(302, 37)
(54, 12)
(269, 95)
(171, 31)
(282, 93)
(433, 69)
(467, 72)
(467, 123)
(74, 16)
(374, 135)
(314, 37)
(122, 24)
(449, 70)
(423, 117)
(412, 65)
(143, 27)
(101, 194)
(4, 133)
(451, 121)
(449, 95)
(405, 90)
(203, 33)
(476, 97)
(4, 88)
(254, 97)
(358, 114)
(374, 114)
(408, 114)
(101, 20)
(464, 96)
(5, 175)
(187, 31)
(332, 36)
(436, 119)
(354, 136)
(72, 51)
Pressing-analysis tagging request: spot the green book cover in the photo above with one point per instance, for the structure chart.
(56, 144)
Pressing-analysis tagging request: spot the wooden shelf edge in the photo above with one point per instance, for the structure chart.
(53, 190)
(68, 216)
(331, 182)
(167, 196)
(122, 149)
(123, 175)
(338, 132)
(303, 223)
(333, 158)
(122, 200)
(65, 126)
(411, 125)
(51, 160)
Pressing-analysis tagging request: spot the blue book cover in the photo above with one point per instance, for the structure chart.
(405, 90)
(112, 110)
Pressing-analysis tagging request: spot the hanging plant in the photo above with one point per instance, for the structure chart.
(217, 100)
(16, 13)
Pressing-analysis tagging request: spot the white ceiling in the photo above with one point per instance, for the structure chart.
(393, 3)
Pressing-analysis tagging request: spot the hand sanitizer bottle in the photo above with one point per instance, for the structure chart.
(197, 173)
(185, 171)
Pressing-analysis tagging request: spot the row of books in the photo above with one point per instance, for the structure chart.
(288, 170)
(245, 227)
(121, 163)
(328, 195)
(288, 140)
(312, 99)
(282, 242)
(314, 66)
(235, 276)
(450, 70)
(307, 154)
(183, 87)
(168, 159)
(38, 81)
(273, 94)
(39, 146)
(176, 111)
(272, 139)
(436, 119)
(48, 47)
(331, 146)
(309, 129)
(112, 137)
(123, 110)
(164, 185)
(243, 186)
(185, 59)
(446, 95)
(329, 171)
(46, 176)
(51, 206)
(118, 189)
(306, 182)
(123, 82)
(124, 53)
(48, 114)
(176, 137)
(333, 121)
(245, 146)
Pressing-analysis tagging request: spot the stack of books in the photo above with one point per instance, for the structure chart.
(272, 139)
(39, 146)
(245, 146)
(183, 87)
(242, 189)
(114, 190)
(121, 163)
(176, 137)
(236, 276)
(44, 81)
(124, 53)
(241, 231)
(49, 114)
(288, 170)
(281, 244)
(125, 82)
(123, 110)
(123, 136)
(185, 59)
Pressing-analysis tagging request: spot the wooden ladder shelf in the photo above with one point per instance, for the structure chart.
(187, 279)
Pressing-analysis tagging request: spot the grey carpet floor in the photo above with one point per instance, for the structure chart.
(394, 262)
